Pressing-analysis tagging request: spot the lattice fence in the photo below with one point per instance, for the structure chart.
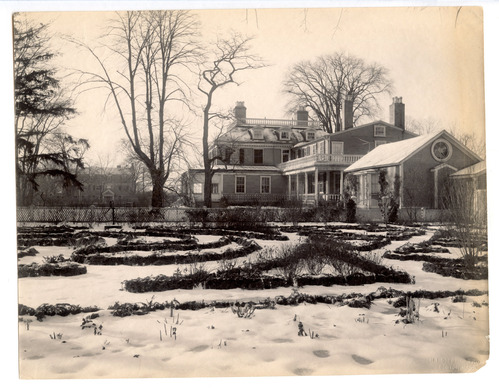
(98, 215)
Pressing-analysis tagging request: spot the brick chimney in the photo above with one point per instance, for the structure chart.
(348, 112)
(397, 112)
(301, 116)
(240, 112)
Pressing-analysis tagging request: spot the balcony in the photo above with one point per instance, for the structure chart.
(318, 160)
(278, 122)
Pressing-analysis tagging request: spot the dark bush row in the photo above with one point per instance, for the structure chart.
(257, 217)
(185, 245)
(420, 248)
(475, 269)
(416, 257)
(263, 233)
(431, 295)
(236, 279)
(71, 238)
(159, 259)
(457, 269)
(47, 229)
(25, 252)
(45, 241)
(65, 269)
(61, 309)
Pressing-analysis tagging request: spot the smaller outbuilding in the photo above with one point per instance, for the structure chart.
(418, 170)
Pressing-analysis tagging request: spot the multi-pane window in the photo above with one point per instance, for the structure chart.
(240, 184)
(241, 156)
(258, 156)
(214, 188)
(314, 149)
(310, 136)
(265, 184)
(379, 131)
(379, 142)
(285, 155)
(284, 135)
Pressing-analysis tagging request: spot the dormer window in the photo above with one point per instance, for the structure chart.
(379, 131)
(284, 135)
(310, 136)
(257, 134)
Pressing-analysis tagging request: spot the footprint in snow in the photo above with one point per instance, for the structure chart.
(321, 353)
(361, 360)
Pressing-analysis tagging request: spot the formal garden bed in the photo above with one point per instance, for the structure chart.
(305, 264)
(52, 266)
(245, 247)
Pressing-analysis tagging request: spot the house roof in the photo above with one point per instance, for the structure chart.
(471, 171)
(395, 153)
(377, 122)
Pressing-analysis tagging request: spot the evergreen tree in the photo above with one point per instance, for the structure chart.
(41, 107)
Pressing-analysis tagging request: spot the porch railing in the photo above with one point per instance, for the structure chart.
(320, 158)
(278, 122)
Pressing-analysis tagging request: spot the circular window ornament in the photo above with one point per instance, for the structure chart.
(441, 150)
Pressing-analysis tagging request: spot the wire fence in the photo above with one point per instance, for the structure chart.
(99, 215)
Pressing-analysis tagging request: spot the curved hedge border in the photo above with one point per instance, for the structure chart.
(264, 234)
(65, 269)
(247, 248)
(61, 309)
(459, 269)
(187, 244)
(254, 280)
(447, 267)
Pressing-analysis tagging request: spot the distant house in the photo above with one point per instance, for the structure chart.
(101, 186)
(270, 160)
(421, 167)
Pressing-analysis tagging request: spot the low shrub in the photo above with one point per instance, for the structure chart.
(61, 309)
(65, 269)
(26, 252)
(247, 247)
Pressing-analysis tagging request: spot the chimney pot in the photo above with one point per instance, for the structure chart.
(397, 112)
(348, 112)
(240, 112)
(302, 116)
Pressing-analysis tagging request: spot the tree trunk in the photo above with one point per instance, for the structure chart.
(157, 190)
(206, 157)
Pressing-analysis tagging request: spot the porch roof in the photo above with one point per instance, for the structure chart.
(471, 171)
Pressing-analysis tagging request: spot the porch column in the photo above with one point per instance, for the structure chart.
(297, 186)
(341, 183)
(289, 187)
(316, 188)
(306, 185)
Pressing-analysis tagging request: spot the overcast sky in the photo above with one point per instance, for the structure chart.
(434, 55)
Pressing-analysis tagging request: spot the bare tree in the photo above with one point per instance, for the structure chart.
(230, 57)
(323, 84)
(148, 53)
(468, 217)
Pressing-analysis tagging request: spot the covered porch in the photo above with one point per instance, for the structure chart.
(318, 184)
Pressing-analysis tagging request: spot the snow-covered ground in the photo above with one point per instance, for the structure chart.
(215, 342)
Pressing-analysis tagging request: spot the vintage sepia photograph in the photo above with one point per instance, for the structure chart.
(250, 192)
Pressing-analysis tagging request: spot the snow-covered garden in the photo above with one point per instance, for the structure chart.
(154, 301)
